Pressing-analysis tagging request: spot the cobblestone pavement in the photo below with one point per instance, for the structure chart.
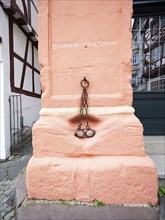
(7, 200)
(9, 170)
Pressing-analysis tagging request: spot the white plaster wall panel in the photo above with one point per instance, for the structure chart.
(2, 133)
(19, 41)
(18, 65)
(29, 55)
(2, 119)
(0, 51)
(20, 5)
(36, 62)
(5, 74)
(28, 80)
(37, 83)
(36, 3)
(34, 18)
(31, 107)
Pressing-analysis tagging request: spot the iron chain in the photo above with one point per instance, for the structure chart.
(86, 132)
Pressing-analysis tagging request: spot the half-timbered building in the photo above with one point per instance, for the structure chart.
(19, 69)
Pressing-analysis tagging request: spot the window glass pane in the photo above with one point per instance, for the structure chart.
(148, 53)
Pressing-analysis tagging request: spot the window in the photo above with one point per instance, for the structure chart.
(134, 80)
(149, 56)
(164, 50)
(162, 22)
(155, 28)
(155, 54)
(134, 59)
(135, 39)
(155, 86)
(162, 85)
(158, 85)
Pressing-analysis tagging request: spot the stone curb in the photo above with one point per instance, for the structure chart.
(162, 208)
(20, 185)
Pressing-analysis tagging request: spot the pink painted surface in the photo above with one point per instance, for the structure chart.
(115, 135)
(114, 180)
(108, 68)
(112, 166)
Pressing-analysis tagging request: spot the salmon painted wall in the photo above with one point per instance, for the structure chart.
(90, 40)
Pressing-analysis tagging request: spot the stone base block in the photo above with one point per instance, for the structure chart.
(110, 179)
(116, 135)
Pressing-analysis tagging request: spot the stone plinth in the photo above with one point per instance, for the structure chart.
(91, 38)
(110, 179)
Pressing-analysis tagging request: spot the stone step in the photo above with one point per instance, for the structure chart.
(155, 148)
(40, 210)
(154, 145)
(154, 139)
(159, 161)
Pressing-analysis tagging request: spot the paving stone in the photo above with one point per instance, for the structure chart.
(7, 164)
(9, 215)
(23, 163)
(10, 202)
(3, 174)
(3, 206)
(6, 187)
(2, 197)
(13, 172)
(6, 211)
(4, 200)
(20, 185)
(12, 193)
(6, 182)
(7, 191)
(1, 191)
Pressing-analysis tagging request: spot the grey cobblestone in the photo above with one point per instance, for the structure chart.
(9, 215)
(5, 187)
(3, 207)
(4, 200)
(8, 207)
(6, 192)
(9, 170)
(2, 197)
(7, 210)
(3, 174)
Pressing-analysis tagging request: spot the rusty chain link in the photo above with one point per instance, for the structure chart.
(86, 132)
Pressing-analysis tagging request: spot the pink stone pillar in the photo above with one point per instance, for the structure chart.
(92, 39)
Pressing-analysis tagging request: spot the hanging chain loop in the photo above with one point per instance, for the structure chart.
(86, 132)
